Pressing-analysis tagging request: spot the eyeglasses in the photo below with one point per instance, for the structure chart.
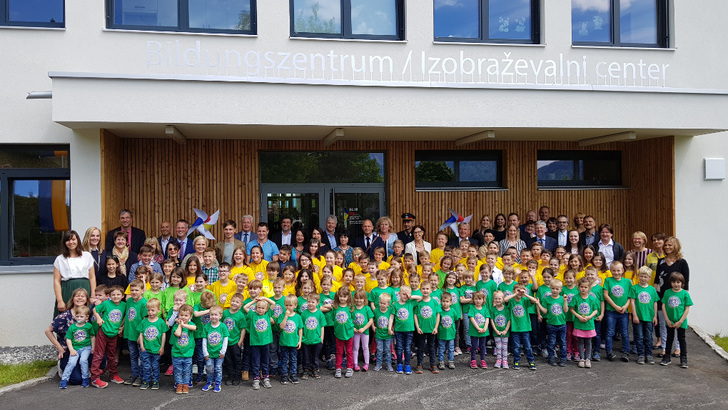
(418, 232)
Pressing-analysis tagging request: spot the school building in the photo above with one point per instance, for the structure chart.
(360, 109)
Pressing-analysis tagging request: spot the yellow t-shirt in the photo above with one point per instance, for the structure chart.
(236, 270)
(128, 291)
(435, 256)
(356, 268)
(384, 266)
(320, 262)
(223, 293)
(244, 292)
(290, 289)
(335, 286)
(258, 271)
(370, 283)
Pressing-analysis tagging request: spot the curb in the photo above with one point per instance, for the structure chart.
(709, 341)
(28, 383)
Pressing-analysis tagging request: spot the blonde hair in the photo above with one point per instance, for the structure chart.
(85, 243)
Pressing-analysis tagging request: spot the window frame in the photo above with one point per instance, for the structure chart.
(576, 156)
(457, 157)
(6, 22)
(346, 33)
(484, 27)
(7, 218)
(183, 21)
(663, 28)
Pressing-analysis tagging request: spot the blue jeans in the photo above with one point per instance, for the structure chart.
(643, 338)
(597, 340)
(275, 358)
(384, 348)
(521, 339)
(150, 367)
(213, 365)
(199, 359)
(466, 328)
(404, 346)
(557, 334)
(259, 358)
(182, 370)
(81, 356)
(289, 359)
(134, 358)
(446, 346)
(617, 321)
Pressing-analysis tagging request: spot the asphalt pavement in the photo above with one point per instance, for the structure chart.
(608, 385)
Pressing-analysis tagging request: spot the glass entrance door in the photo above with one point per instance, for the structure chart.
(353, 208)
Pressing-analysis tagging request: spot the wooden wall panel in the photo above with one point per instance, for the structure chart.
(112, 180)
(162, 180)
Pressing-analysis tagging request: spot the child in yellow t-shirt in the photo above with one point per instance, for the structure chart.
(223, 288)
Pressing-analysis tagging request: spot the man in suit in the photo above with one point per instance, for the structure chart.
(589, 236)
(135, 236)
(185, 244)
(365, 241)
(544, 213)
(247, 235)
(165, 231)
(331, 237)
(562, 233)
(284, 237)
(546, 241)
(408, 222)
(463, 235)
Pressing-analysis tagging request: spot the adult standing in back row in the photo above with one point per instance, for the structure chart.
(72, 269)
(135, 237)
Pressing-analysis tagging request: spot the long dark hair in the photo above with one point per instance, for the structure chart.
(67, 235)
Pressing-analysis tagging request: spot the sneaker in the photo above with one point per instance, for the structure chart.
(516, 366)
(625, 357)
(389, 367)
(349, 372)
(418, 369)
(365, 368)
(100, 384)
(217, 388)
(256, 384)
(641, 360)
(458, 352)
(596, 357)
(130, 380)
(293, 378)
(504, 364)
(207, 387)
(473, 364)
(684, 362)
(544, 353)
(144, 386)
(305, 374)
(532, 366)
(441, 365)
(85, 383)
(137, 382)
(498, 364)
(587, 363)
(665, 360)
(562, 363)
(434, 370)
(407, 370)
(228, 382)
(378, 367)
(330, 364)
(650, 360)
(116, 379)
(552, 362)
(266, 383)
(451, 365)
(576, 357)
(581, 364)
(179, 389)
(338, 373)
(316, 374)
(246, 376)
(357, 368)
(400, 369)
(483, 364)
(63, 385)
(611, 356)
(284, 379)
(155, 385)
(185, 389)
(170, 371)
(568, 356)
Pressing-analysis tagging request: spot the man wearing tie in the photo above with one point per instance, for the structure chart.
(135, 237)
(365, 241)
(541, 237)
(185, 245)
(247, 235)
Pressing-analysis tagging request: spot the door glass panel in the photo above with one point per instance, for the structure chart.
(303, 208)
(352, 209)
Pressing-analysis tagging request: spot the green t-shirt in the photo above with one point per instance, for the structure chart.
(135, 313)
(543, 292)
(343, 324)
(437, 295)
(446, 330)
(456, 306)
(404, 319)
(302, 305)
(259, 328)
(149, 295)
(501, 317)
(506, 288)
(381, 321)
(427, 314)
(480, 316)
(377, 292)
(215, 336)
(488, 288)
(80, 336)
(184, 345)
(395, 293)
(598, 292)
(277, 311)
(618, 291)
(362, 316)
(327, 300)
(520, 320)
(235, 323)
(200, 322)
(584, 307)
(467, 292)
(289, 333)
(313, 322)
(169, 297)
(531, 308)
(675, 304)
(152, 333)
(442, 274)
(569, 296)
(113, 316)
(644, 301)
(555, 315)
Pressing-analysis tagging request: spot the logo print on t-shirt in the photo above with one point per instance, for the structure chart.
(479, 319)
(80, 335)
(402, 314)
(259, 276)
(115, 316)
(151, 333)
(547, 294)
(214, 338)
(342, 317)
(183, 340)
(569, 297)
(311, 323)
(304, 306)
(383, 322)
(556, 309)
(618, 291)
(230, 323)
(131, 314)
(206, 319)
(426, 312)
(290, 327)
(673, 301)
(500, 320)
(223, 297)
(358, 319)
(261, 325)
(584, 308)
(508, 292)
(644, 297)
(277, 310)
(518, 311)
(446, 322)
(468, 293)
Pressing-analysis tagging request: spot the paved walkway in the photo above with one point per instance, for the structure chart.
(614, 385)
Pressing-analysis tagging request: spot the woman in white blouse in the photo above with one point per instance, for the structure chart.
(418, 244)
(72, 269)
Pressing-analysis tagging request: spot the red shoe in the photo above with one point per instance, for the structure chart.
(116, 379)
(100, 383)
(483, 364)
(170, 371)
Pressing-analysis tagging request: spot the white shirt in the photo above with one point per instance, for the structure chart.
(286, 239)
(563, 238)
(607, 250)
(74, 268)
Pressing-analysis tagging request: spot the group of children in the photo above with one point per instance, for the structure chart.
(256, 321)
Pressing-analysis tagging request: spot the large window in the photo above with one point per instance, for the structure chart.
(458, 170)
(32, 13)
(365, 19)
(622, 23)
(209, 16)
(579, 168)
(494, 21)
(34, 202)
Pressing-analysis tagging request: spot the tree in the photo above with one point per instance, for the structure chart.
(313, 23)
(434, 171)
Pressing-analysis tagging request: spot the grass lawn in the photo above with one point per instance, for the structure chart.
(722, 341)
(16, 373)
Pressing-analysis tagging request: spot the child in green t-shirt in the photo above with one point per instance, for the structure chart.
(543, 292)
(451, 286)
(183, 347)
(676, 304)
(313, 336)
(136, 311)
(403, 323)
(201, 317)
(569, 291)
(584, 308)
(383, 333)
(151, 344)
(501, 324)
(518, 304)
(616, 300)
(214, 346)
(261, 336)
(479, 317)
(110, 317)
(597, 291)
(467, 290)
(291, 337)
(553, 307)
(427, 315)
(277, 312)
(445, 330)
(156, 280)
(363, 318)
(236, 322)
(643, 301)
(80, 339)
(343, 330)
